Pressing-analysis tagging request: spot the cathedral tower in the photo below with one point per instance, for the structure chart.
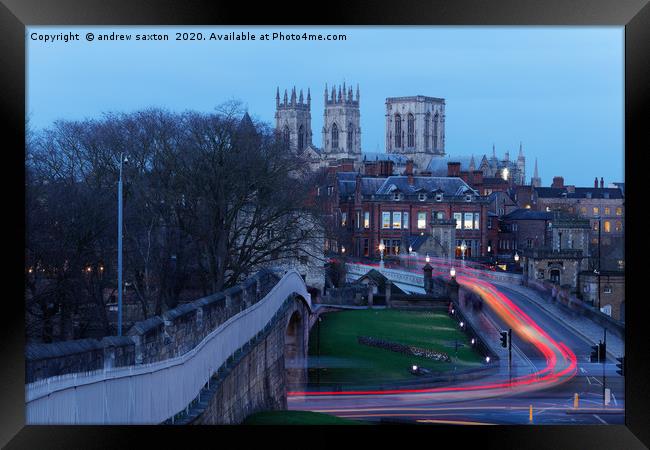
(342, 124)
(293, 119)
(415, 127)
(521, 166)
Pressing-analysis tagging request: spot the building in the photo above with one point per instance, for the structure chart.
(603, 207)
(443, 215)
(612, 291)
(560, 259)
(523, 229)
(415, 127)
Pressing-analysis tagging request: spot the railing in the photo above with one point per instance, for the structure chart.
(151, 393)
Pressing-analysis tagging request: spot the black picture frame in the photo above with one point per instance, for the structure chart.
(633, 14)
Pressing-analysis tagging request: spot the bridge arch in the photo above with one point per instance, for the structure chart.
(296, 337)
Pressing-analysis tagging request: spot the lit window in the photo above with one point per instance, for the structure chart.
(583, 210)
(422, 197)
(422, 220)
(438, 197)
(468, 221)
(405, 220)
(595, 210)
(608, 226)
(344, 219)
(459, 219)
(476, 221)
(358, 224)
(608, 211)
(366, 219)
(397, 220)
(619, 226)
(385, 220)
(619, 211)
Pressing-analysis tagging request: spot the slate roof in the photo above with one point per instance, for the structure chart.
(438, 164)
(528, 214)
(549, 192)
(416, 240)
(377, 156)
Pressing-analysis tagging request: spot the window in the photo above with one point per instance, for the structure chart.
(344, 219)
(398, 131)
(459, 219)
(618, 226)
(435, 131)
(410, 127)
(438, 197)
(583, 210)
(286, 134)
(366, 248)
(405, 220)
(540, 274)
(476, 221)
(489, 223)
(301, 138)
(366, 219)
(608, 226)
(396, 196)
(468, 198)
(595, 225)
(358, 223)
(335, 136)
(330, 190)
(608, 211)
(385, 219)
(397, 220)
(422, 220)
(595, 210)
(529, 243)
(468, 221)
(422, 197)
(619, 211)
(427, 119)
(607, 290)
(439, 215)
(318, 191)
(350, 136)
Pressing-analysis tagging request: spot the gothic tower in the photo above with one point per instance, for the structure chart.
(342, 124)
(536, 181)
(293, 119)
(521, 166)
(415, 128)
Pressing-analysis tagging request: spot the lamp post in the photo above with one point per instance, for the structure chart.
(463, 247)
(123, 160)
(517, 260)
(410, 254)
(381, 254)
(427, 259)
(452, 273)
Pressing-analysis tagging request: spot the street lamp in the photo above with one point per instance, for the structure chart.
(382, 247)
(452, 272)
(516, 257)
(343, 250)
(427, 259)
(463, 247)
(123, 160)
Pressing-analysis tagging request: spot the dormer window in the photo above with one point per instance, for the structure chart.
(422, 197)
(468, 197)
(397, 196)
(438, 197)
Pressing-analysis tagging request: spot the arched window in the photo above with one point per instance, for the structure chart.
(301, 138)
(410, 126)
(398, 131)
(427, 120)
(350, 136)
(435, 131)
(286, 135)
(335, 136)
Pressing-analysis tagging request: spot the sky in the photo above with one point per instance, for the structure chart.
(558, 90)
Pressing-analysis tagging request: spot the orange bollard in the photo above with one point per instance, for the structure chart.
(530, 414)
(576, 401)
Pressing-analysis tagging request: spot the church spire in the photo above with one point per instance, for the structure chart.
(285, 98)
(293, 96)
(325, 93)
(339, 98)
(344, 93)
(535, 174)
(357, 92)
(521, 150)
(277, 97)
(300, 98)
(472, 165)
(308, 97)
(494, 152)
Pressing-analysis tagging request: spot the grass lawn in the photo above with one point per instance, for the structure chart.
(346, 362)
(297, 418)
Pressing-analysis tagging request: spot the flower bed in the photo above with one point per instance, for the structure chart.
(403, 349)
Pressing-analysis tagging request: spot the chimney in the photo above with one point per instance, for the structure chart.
(453, 169)
(596, 183)
(478, 177)
(409, 171)
(558, 182)
(571, 189)
(385, 168)
(602, 183)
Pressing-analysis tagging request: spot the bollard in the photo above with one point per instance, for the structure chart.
(530, 414)
(575, 401)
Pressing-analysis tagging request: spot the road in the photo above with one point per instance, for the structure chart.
(550, 365)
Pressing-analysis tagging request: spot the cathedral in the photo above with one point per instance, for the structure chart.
(415, 131)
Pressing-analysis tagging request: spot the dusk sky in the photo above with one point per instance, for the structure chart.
(559, 90)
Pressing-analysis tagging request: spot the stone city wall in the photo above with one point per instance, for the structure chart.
(154, 339)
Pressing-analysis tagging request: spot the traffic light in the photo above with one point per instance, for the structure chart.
(595, 353)
(504, 339)
(621, 366)
(602, 354)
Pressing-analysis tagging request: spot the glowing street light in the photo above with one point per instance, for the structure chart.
(462, 324)
(487, 359)
(452, 272)
(414, 368)
(342, 249)
(427, 259)
(473, 341)
(382, 247)
(516, 257)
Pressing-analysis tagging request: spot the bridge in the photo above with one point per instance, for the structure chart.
(250, 340)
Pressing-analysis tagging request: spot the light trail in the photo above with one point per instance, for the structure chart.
(561, 362)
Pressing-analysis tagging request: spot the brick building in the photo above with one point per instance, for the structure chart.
(437, 215)
(612, 291)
